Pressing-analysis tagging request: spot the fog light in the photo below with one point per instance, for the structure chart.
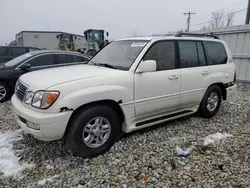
(32, 125)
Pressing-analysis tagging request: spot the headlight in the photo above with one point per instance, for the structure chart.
(28, 97)
(44, 99)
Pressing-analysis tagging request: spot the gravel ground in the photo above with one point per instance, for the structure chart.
(145, 158)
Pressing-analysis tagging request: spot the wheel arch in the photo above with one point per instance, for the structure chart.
(223, 89)
(111, 103)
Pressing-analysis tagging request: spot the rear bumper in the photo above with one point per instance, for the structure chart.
(231, 90)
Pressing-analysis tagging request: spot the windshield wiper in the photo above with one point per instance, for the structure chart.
(102, 64)
(107, 65)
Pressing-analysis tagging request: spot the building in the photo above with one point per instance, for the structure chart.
(238, 40)
(45, 39)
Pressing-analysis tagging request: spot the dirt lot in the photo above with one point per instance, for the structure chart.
(142, 159)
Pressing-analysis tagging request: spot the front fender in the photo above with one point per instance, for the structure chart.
(87, 95)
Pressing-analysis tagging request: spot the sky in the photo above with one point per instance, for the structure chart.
(121, 18)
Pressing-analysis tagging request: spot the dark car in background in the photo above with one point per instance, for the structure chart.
(36, 60)
(8, 53)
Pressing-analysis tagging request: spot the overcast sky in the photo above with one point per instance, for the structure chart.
(122, 18)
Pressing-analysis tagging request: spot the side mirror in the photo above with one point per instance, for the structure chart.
(25, 66)
(146, 66)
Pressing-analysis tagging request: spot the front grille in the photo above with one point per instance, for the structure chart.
(20, 91)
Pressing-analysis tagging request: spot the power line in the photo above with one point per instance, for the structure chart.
(188, 19)
(220, 17)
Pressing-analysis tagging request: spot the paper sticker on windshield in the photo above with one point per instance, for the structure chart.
(138, 44)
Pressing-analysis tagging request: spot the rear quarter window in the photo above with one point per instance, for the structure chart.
(216, 53)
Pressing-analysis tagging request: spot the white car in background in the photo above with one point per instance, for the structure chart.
(129, 85)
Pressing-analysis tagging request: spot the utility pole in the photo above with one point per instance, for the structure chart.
(248, 13)
(189, 18)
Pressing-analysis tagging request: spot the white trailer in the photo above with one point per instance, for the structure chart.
(46, 39)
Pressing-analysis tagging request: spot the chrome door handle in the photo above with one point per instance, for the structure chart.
(173, 77)
(205, 73)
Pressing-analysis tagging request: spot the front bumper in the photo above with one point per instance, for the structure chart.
(52, 125)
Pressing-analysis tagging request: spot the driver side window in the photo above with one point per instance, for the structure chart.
(43, 60)
(164, 54)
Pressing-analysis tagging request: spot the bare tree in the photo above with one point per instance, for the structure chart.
(220, 19)
(217, 19)
(204, 28)
(230, 18)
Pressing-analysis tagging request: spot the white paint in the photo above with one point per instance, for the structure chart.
(50, 179)
(215, 137)
(9, 162)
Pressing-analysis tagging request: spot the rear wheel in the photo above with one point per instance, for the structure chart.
(4, 92)
(211, 102)
(93, 131)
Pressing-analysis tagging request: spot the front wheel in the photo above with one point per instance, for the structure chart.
(4, 92)
(211, 102)
(93, 130)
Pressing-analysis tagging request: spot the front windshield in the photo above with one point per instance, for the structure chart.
(17, 60)
(120, 54)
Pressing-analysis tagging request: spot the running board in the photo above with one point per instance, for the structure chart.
(163, 118)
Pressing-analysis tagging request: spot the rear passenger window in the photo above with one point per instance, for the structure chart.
(202, 60)
(164, 55)
(188, 54)
(216, 53)
(15, 52)
(65, 58)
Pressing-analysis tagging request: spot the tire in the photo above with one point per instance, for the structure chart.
(5, 92)
(87, 118)
(207, 110)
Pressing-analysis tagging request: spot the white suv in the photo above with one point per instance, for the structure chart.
(129, 85)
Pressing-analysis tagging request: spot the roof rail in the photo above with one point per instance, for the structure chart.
(197, 35)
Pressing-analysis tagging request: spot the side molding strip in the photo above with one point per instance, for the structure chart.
(162, 118)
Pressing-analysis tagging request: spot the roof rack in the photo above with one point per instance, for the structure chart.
(197, 35)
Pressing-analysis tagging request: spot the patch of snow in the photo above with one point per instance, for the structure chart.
(9, 162)
(50, 179)
(215, 137)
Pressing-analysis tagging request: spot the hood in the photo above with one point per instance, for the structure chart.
(46, 78)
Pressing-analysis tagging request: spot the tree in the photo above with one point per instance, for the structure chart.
(230, 18)
(204, 28)
(220, 19)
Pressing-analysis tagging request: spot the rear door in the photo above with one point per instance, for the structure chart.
(218, 62)
(195, 74)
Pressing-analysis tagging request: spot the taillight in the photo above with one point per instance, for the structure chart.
(235, 76)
